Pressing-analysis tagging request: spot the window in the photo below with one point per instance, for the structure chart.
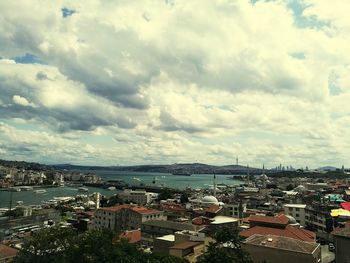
(297, 209)
(296, 215)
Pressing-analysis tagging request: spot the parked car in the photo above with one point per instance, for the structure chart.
(331, 247)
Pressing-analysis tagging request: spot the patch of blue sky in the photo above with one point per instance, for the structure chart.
(298, 55)
(26, 126)
(67, 12)
(28, 59)
(298, 7)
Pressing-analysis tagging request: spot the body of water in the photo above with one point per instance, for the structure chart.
(134, 178)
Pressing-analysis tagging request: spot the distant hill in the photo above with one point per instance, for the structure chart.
(194, 168)
(25, 165)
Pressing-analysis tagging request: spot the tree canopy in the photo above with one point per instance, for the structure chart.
(58, 245)
(227, 248)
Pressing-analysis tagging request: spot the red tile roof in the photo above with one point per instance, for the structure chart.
(186, 245)
(288, 231)
(133, 236)
(281, 219)
(115, 208)
(213, 209)
(7, 252)
(143, 210)
(138, 209)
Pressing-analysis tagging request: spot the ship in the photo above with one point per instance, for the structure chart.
(40, 191)
(83, 189)
(182, 173)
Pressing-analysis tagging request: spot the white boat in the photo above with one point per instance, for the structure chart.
(14, 189)
(26, 188)
(39, 191)
(83, 189)
(111, 188)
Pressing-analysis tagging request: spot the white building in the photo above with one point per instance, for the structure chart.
(297, 211)
(140, 197)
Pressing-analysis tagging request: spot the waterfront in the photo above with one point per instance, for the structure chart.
(134, 178)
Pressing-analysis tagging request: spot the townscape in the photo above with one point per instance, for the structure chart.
(300, 218)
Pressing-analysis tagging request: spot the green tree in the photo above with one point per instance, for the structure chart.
(166, 193)
(62, 245)
(227, 248)
(290, 187)
(184, 198)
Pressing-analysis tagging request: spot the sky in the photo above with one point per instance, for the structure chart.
(167, 81)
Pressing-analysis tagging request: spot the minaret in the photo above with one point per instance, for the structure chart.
(214, 185)
(236, 160)
(248, 174)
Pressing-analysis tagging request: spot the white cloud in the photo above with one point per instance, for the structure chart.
(22, 101)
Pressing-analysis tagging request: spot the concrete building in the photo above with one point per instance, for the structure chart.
(276, 249)
(342, 244)
(236, 210)
(156, 228)
(140, 197)
(125, 217)
(184, 244)
(297, 211)
(319, 220)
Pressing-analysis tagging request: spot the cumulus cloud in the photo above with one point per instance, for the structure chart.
(171, 81)
(22, 101)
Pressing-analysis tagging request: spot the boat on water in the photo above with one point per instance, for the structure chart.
(83, 189)
(182, 173)
(39, 191)
(26, 188)
(14, 189)
(111, 188)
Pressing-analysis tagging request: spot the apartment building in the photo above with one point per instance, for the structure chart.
(140, 197)
(125, 217)
(297, 211)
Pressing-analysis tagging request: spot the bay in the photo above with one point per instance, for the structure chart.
(134, 178)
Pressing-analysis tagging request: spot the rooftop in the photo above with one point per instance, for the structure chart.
(7, 252)
(186, 245)
(223, 220)
(289, 231)
(274, 220)
(169, 224)
(283, 243)
(342, 232)
(133, 236)
(138, 209)
(167, 238)
(295, 205)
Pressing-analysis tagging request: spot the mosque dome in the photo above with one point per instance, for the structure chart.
(291, 220)
(263, 177)
(300, 188)
(210, 199)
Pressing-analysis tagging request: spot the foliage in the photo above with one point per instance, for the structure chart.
(114, 200)
(184, 198)
(166, 193)
(227, 248)
(58, 245)
(290, 187)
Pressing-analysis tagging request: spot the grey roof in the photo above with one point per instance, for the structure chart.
(284, 243)
(169, 225)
